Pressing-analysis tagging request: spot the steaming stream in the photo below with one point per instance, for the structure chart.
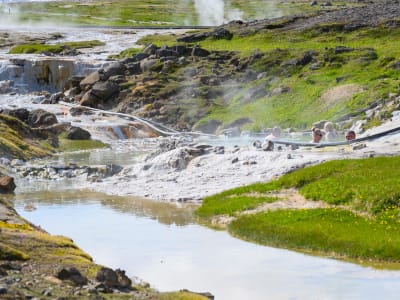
(160, 241)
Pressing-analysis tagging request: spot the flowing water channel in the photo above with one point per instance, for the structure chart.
(161, 243)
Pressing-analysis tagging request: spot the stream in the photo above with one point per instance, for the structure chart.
(161, 243)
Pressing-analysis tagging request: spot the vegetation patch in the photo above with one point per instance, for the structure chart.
(362, 221)
(55, 49)
(336, 232)
(67, 145)
(15, 141)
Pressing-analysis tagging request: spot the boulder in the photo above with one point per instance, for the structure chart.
(150, 49)
(20, 113)
(104, 90)
(114, 69)
(77, 133)
(6, 86)
(91, 79)
(197, 51)
(7, 184)
(113, 279)
(147, 63)
(40, 117)
(89, 99)
(72, 274)
(139, 56)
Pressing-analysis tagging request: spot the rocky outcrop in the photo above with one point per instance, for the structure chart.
(40, 117)
(77, 133)
(7, 184)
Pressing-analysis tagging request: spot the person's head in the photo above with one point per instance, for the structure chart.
(350, 135)
(316, 135)
(276, 131)
(329, 126)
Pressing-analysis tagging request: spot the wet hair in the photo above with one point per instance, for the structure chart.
(276, 129)
(329, 126)
(352, 132)
(316, 130)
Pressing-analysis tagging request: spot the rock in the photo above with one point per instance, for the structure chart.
(3, 290)
(77, 133)
(7, 184)
(209, 127)
(342, 49)
(55, 98)
(91, 79)
(150, 49)
(219, 150)
(222, 33)
(6, 86)
(268, 146)
(134, 68)
(147, 64)
(20, 113)
(306, 59)
(77, 111)
(89, 99)
(40, 117)
(197, 51)
(257, 144)
(114, 69)
(72, 274)
(123, 280)
(108, 277)
(104, 90)
(359, 146)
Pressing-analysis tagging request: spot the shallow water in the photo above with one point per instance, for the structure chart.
(162, 244)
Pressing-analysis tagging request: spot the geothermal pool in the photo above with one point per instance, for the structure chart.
(160, 243)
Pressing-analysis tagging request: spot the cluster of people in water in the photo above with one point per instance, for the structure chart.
(327, 134)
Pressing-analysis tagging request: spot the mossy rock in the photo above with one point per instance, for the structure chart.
(9, 253)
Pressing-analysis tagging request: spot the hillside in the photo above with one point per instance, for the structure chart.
(340, 65)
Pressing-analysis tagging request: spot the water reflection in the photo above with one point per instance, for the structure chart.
(160, 243)
(164, 212)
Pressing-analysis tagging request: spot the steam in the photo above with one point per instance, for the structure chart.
(215, 12)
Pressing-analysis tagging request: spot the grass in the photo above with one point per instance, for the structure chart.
(365, 72)
(57, 48)
(329, 231)
(67, 145)
(362, 221)
(146, 13)
(15, 141)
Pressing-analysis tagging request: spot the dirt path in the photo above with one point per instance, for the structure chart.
(290, 199)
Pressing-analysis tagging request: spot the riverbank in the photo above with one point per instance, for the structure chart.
(34, 264)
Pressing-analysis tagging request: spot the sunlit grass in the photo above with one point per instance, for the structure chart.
(57, 48)
(362, 222)
(328, 231)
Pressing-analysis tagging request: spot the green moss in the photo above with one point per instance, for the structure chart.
(9, 253)
(57, 48)
(67, 145)
(16, 140)
(130, 52)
